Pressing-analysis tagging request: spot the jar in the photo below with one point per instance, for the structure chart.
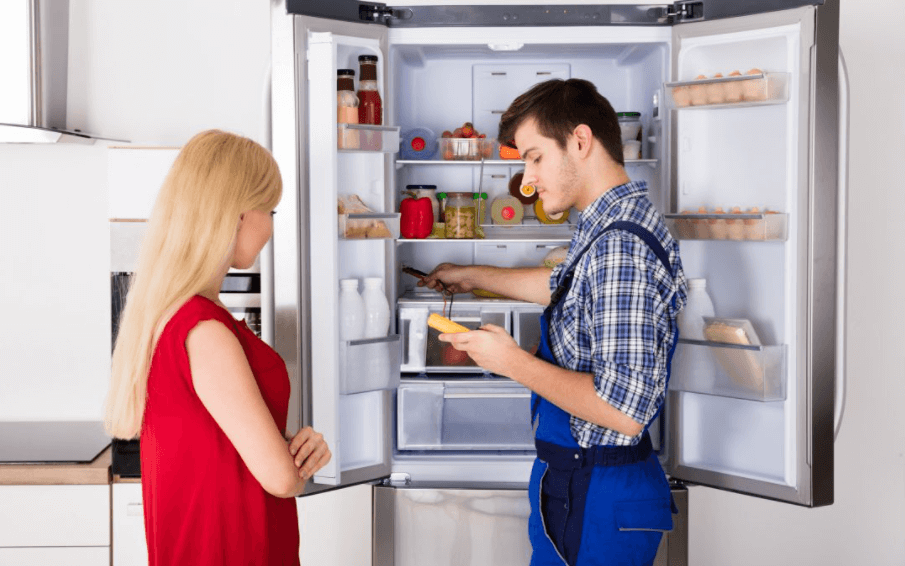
(429, 191)
(346, 109)
(630, 124)
(459, 215)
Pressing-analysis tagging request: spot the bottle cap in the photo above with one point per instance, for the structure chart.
(698, 283)
(345, 72)
(373, 282)
(419, 187)
(348, 283)
(367, 58)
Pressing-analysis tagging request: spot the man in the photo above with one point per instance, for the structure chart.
(598, 494)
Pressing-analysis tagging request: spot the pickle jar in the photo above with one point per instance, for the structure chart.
(459, 215)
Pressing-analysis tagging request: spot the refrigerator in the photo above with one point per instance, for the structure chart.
(743, 110)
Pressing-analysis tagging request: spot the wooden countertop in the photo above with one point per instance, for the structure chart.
(96, 472)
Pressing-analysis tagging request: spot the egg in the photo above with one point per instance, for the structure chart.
(754, 89)
(733, 89)
(698, 92)
(717, 226)
(681, 96)
(716, 92)
(734, 228)
(753, 228)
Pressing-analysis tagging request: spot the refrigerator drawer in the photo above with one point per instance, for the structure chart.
(424, 352)
(369, 365)
(755, 373)
(475, 415)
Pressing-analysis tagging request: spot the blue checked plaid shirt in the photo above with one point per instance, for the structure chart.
(617, 321)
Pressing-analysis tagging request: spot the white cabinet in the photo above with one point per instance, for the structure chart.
(328, 521)
(55, 524)
(129, 545)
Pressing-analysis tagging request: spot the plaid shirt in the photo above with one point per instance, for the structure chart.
(617, 320)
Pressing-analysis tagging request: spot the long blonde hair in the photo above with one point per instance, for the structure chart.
(216, 177)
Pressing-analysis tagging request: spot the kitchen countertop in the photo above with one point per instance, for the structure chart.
(96, 472)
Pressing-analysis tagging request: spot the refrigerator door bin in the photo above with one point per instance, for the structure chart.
(368, 226)
(756, 373)
(380, 139)
(527, 329)
(747, 227)
(472, 415)
(369, 365)
(754, 89)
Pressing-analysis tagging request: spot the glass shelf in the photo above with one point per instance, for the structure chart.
(500, 162)
(741, 227)
(755, 373)
(729, 92)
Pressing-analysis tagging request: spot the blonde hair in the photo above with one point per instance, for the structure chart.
(190, 236)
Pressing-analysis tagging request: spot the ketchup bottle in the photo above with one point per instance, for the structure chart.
(370, 108)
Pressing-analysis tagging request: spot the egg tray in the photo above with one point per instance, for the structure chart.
(730, 92)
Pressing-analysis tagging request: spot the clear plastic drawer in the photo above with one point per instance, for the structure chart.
(729, 370)
(768, 226)
(527, 329)
(468, 415)
(368, 226)
(369, 365)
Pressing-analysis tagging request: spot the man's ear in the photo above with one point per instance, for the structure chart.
(583, 138)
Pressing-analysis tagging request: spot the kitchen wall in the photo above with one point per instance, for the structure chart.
(158, 72)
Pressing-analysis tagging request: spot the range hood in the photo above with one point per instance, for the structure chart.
(34, 69)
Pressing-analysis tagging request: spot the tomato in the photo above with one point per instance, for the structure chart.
(452, 357)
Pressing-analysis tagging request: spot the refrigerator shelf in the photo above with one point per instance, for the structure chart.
(500, 162)
(729, 92)
(742, 227)
(365, 138)
(369, 226)
(755, 373)
(370, 364)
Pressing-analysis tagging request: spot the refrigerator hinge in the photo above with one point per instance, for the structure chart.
(382, 14)
(682, 12)
(398, 479)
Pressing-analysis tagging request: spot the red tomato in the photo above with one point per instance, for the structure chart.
(452, 357)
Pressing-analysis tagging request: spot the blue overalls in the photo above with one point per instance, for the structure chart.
(599, 505)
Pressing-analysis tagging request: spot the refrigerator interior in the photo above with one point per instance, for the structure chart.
(725, 424)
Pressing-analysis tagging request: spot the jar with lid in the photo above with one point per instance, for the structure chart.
(429, 191)
(630, 125)
(459, 215)
(346, 109)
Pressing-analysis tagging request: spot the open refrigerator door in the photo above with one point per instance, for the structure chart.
(752, 402)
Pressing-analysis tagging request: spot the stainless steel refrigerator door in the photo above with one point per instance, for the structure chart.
(473, 526)
(357, 427)
(778, 449)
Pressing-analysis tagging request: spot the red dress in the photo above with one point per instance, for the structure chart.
(201, 504)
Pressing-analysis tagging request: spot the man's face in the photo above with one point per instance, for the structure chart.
(549, 168)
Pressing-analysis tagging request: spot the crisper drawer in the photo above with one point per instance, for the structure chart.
(369, 364)
(466, 415)
(424, 352)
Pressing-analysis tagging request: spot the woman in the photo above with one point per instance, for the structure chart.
(207, 396)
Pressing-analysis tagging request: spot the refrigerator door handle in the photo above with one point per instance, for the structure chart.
(841, 245)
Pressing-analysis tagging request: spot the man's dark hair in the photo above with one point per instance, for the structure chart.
(558, 107)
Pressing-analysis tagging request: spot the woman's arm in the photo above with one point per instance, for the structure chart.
(226, 386)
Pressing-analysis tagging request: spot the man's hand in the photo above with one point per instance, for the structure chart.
(448, 277)
(491, 347)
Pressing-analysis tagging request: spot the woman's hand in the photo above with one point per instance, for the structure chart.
(309, 451)
(491, 347)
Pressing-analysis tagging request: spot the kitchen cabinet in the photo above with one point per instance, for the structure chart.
(134, 175)
(127, 514)
(55, 524)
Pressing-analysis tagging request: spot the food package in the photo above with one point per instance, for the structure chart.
(555, 256)
(541, 214)
(527, 194)
(359, 228)
(507, 210)
(744, 367)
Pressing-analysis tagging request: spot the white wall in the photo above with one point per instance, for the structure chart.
(159, 72)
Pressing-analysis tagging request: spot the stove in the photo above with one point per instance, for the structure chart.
(51, 442)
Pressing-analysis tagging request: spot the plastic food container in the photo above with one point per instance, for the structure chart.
(466, 149)
(631, 149)
(630, 124)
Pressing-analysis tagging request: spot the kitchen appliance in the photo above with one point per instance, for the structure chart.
(48, 442)
(430, 441)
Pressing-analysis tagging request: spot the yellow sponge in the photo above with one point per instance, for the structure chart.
(444, 325)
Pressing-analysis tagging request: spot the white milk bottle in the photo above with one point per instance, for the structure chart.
(695, 370)
(351, 311)
(377, 310)
(697, 306)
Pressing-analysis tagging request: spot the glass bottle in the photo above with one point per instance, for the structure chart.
(351, 311)
(377, 310)
(346, 109)
(370, 109)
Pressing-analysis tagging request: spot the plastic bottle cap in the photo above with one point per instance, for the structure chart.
(348, 283)
(698, 283)
(373, 281)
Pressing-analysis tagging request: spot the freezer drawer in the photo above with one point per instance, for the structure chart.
(465, 415)
(463, 526)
